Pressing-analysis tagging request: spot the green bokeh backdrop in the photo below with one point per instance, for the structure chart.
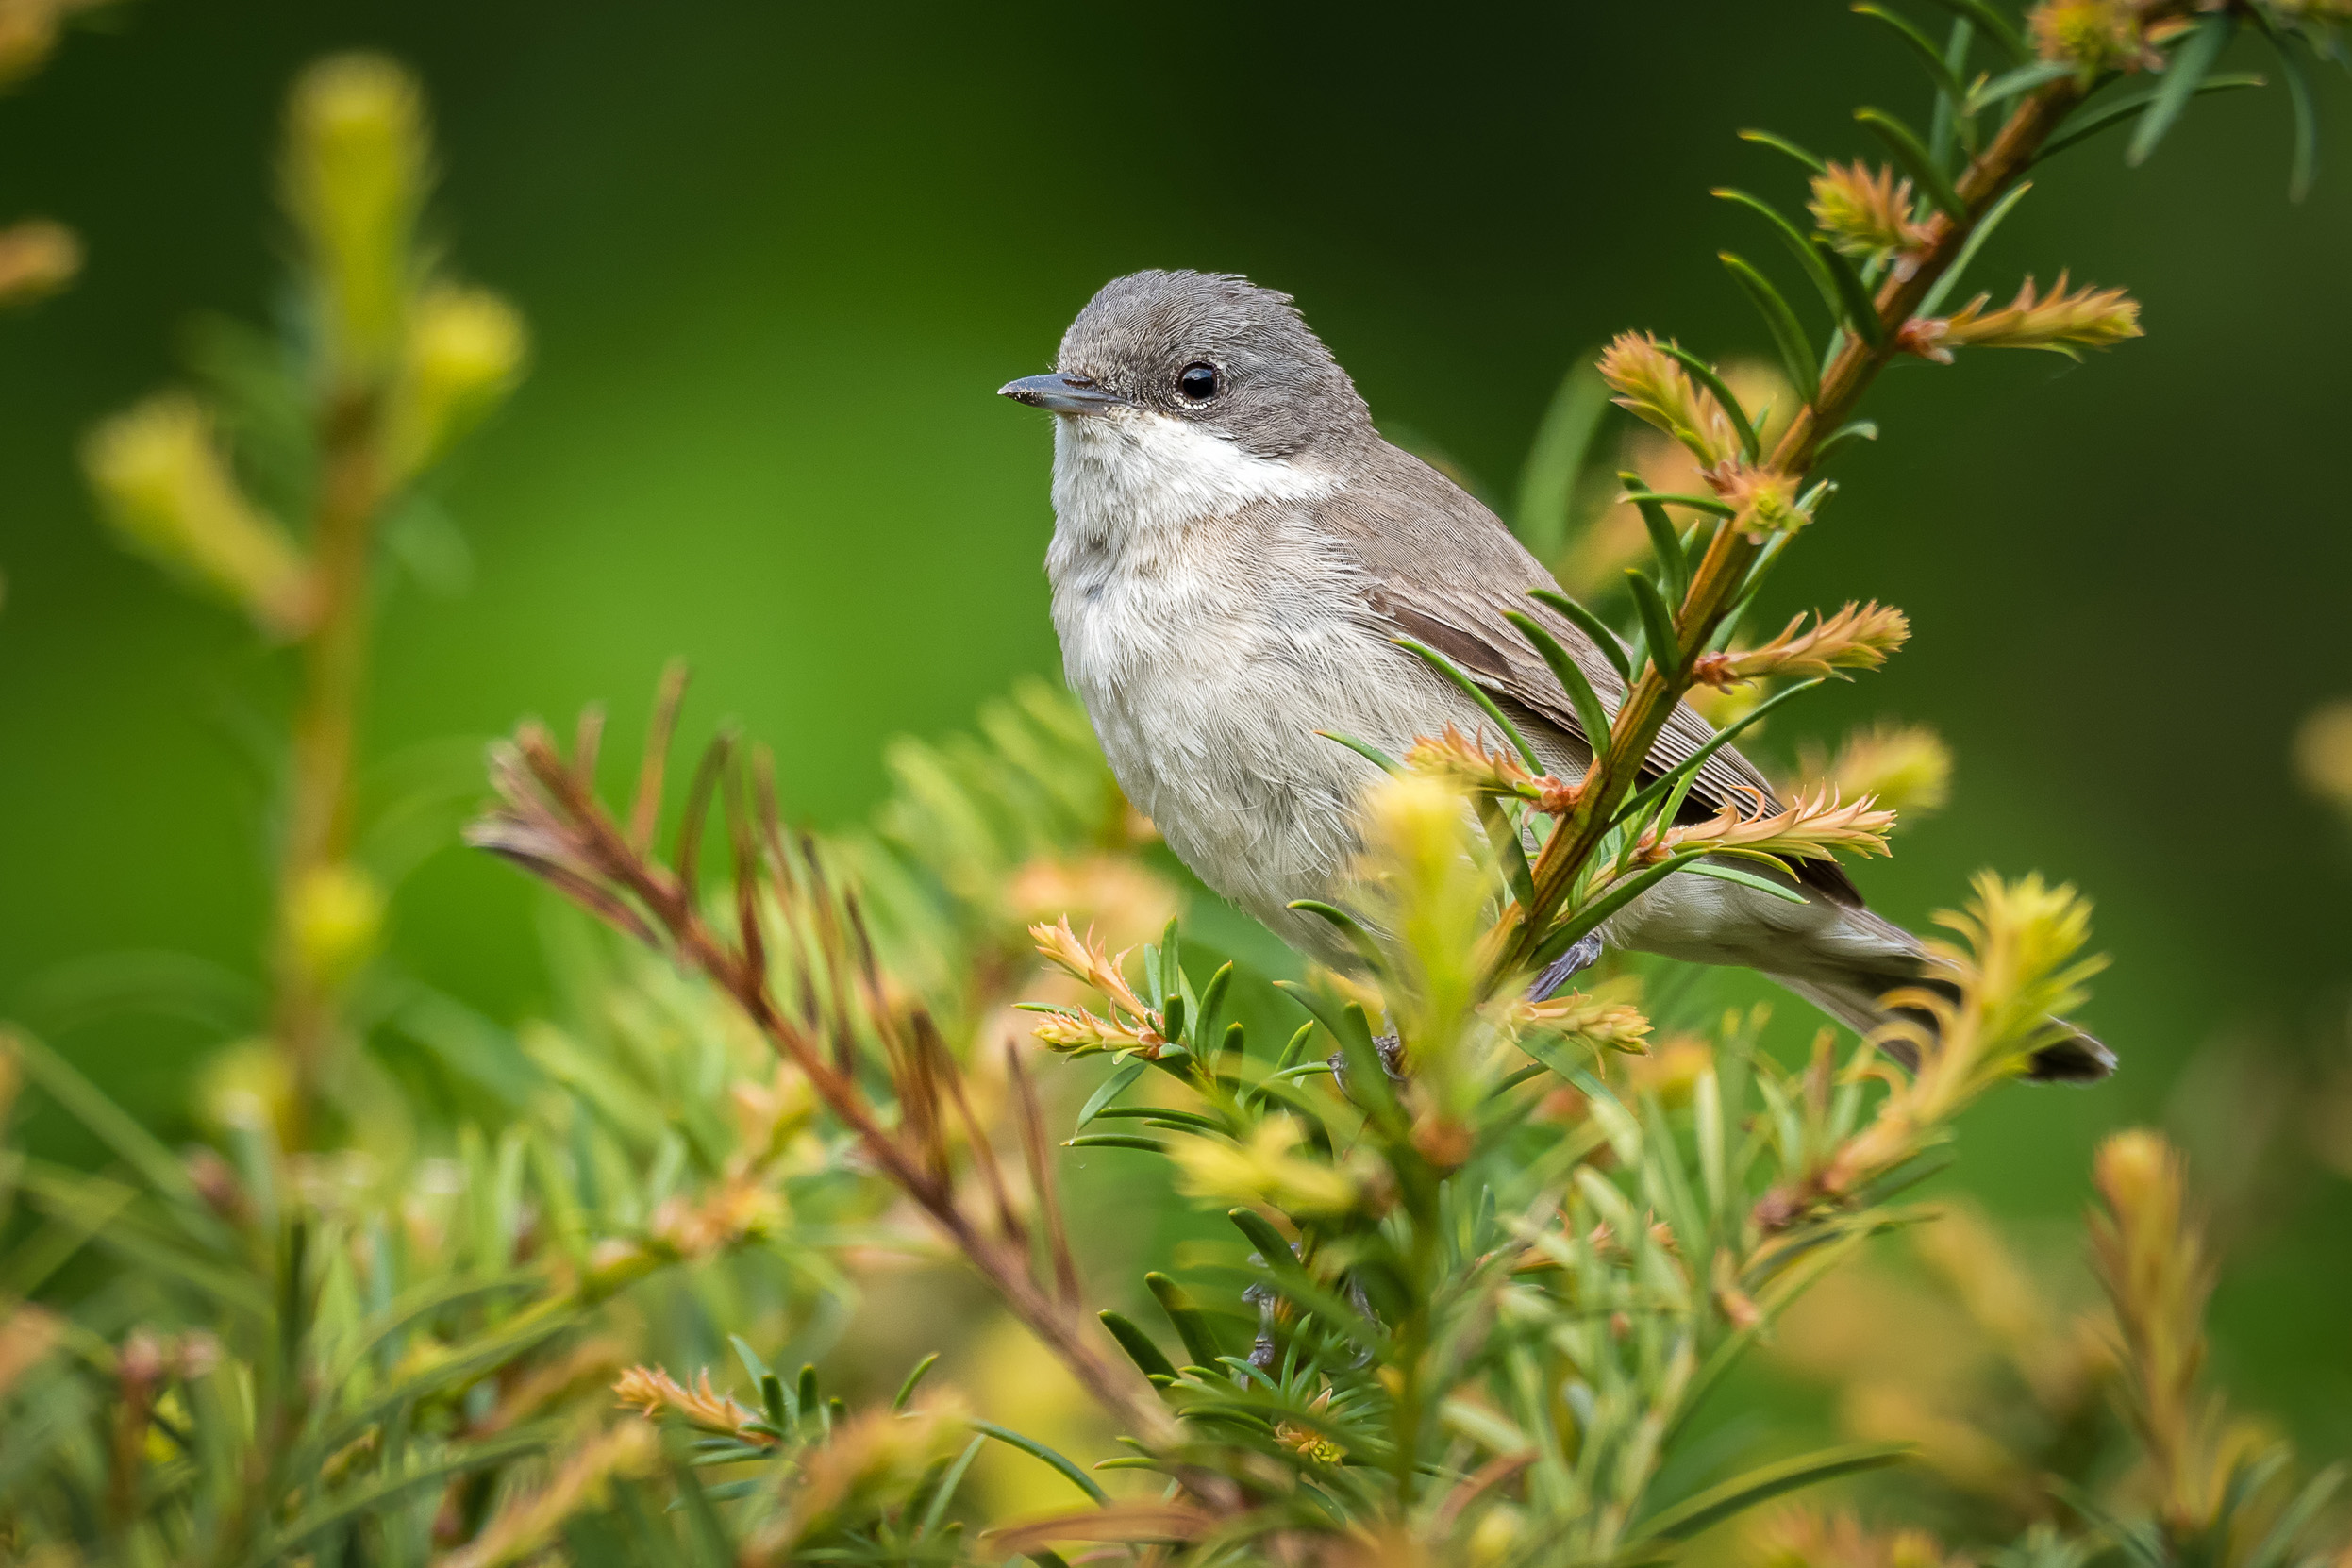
(777, 258)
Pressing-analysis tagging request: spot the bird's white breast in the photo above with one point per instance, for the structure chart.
(1209, 638)
(1145, 479)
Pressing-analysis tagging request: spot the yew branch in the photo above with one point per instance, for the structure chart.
(1717, 586)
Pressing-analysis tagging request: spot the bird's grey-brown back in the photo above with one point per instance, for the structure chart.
(1235, 549)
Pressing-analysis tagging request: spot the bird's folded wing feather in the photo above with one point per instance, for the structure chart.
(1441, 569)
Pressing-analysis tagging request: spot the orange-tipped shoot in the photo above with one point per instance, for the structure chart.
(1856, 638)
(1765, 500)
(28, 34)
(1463, 761)
(1591, 1021)
(1802, 1539)
(2095, 35)
(1132, 1026)
(1086, 960)
(1078, 1029)
(1867, 213)
(1653, 385)
(2062, 321)
(2323, 752)
(653, 1394)
(530, 1522)
(36, 258)
(2019, 972)
(1811, 829)
(2152, 1259)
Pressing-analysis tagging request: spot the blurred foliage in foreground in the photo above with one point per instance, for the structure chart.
(1488, 1276)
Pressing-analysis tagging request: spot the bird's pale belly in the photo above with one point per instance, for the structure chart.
(1253, 800)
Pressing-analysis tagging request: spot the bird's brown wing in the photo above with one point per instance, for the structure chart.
(1441, 569)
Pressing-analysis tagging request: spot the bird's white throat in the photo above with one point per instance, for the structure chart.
(1130, 477)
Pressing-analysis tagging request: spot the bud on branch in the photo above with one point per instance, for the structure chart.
(356, 171)
(2058, 320)
(1766, 500)
(1654, 387)
(2099, 35)
(37, 258)
(1868, 215)
(1464, 760)
(165, 485)
(1811, 829)
(1086, 960)
(1856, 638)
(1584, 1018)
(464, 354)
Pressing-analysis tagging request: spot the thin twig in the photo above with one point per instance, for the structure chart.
(325, 729)
(828, 947)
(579, 819)
(983, 1151)
(645, 808)
(1714, 591)
(587, 739)
(1035, 1150)
(743, 835)
(686, 861)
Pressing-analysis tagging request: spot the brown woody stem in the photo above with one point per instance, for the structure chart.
(325, 724)
(1056, 1321)
(1716, 587)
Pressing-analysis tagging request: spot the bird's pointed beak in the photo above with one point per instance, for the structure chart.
(1061, 393)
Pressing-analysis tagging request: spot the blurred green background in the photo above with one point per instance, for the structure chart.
(777, 258)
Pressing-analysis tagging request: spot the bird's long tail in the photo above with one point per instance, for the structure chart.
(1853, 999)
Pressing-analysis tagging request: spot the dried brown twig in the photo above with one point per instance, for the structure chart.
(551, 822)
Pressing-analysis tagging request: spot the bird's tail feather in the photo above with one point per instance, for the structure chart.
(1854, 1000)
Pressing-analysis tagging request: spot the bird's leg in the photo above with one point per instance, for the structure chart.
(1362, 1303)
(1266, 1351)
(1391, 1051)
(1262, 1353)
(1582, 954)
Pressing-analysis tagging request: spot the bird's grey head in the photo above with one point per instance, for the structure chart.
(1211, 350)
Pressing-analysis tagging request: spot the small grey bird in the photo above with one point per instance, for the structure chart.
(1234, 549)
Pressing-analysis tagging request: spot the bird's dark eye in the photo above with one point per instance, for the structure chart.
(1198, 383)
